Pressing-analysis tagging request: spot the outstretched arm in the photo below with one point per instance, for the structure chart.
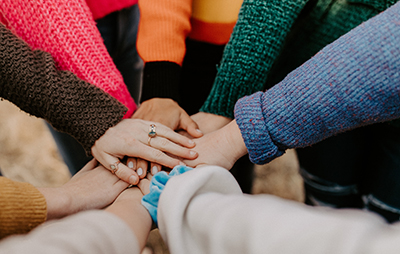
(204, 210)
(350, 83)
(66, 30)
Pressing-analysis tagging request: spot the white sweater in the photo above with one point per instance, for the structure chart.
(204, 211)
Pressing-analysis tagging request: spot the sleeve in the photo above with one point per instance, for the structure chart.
(22, 208)
(90, 232)
(168, 22)
(30, 80)
(350, 83)
(255, 43)
(66, 30)
(204, 211)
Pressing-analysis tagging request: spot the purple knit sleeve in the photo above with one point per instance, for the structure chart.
(354, 81)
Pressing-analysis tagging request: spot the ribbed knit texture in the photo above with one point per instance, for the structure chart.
(22, 208)
(164, 27)
(161, 79)
(350, 83)
(66, 30)
(31, 81)
(101, 8)
(260, 34)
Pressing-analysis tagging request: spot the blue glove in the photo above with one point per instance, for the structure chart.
(157, 185)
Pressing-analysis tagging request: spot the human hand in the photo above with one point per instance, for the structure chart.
(222, 147)
(165, 111)
(208, 122)
(93, 187)
(130, 138)
(168, 112)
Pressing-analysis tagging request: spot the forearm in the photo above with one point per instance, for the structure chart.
(205, 210)
(262, 25)
(350, 83)
(58, 203)
(84, 233)
(30, 80)
(169, 22)
(134, 214)
(67, 31)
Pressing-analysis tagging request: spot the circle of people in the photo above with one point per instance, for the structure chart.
(150, 111)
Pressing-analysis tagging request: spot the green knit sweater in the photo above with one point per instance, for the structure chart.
(271, 38)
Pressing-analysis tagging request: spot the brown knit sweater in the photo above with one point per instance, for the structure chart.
(30, 80)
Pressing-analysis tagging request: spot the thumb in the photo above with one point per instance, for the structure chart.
(190, 126)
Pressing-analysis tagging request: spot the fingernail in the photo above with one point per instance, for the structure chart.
(193, 153)
(199, 131)
(132, 179)
(139, 171)
(154, 170)
(191, 142)
(130, 164)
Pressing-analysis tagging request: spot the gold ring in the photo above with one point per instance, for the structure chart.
(148, 141)
(114, 167)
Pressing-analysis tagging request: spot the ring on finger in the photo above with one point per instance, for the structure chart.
(152, 133)
(114, 167)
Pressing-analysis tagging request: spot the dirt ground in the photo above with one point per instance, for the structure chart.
(28, 153)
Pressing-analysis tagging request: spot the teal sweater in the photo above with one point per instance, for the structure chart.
(271, 38)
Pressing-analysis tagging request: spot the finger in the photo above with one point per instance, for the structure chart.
(139, 165)
(131, 163)
(154, 155)
(120, 170)
(141, 168)
(190, 126)
(149, 177)
(144, 186)
(167, 146)
(155, 168)
(173, 136)
(90, 165)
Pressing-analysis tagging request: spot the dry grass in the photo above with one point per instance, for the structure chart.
(28, 153)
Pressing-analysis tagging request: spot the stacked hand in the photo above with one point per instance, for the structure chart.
(150, 137)
(131, 137)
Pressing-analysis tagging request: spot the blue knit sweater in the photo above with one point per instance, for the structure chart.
(354, 81)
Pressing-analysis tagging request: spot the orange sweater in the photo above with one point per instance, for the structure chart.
(165, 24)
(163, 29)
(22, 208)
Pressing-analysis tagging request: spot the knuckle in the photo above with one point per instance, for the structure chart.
(121, 174)
(157, 155)
(164, 143)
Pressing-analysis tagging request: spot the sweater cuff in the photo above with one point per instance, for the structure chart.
(250, 119)
(157, 185)
(161, 79)
(23, 207)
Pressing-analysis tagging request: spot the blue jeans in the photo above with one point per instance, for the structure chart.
(119, 31)
(355, 169)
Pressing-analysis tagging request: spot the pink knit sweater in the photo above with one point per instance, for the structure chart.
(66, 30)
(101, 8)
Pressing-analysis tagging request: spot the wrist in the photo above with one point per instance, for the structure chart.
(233, 137)
(58, 202)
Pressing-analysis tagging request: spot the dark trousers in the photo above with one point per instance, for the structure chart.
(356, 169)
